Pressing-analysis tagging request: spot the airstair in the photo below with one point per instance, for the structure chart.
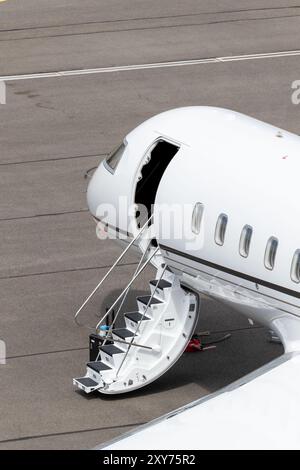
(151, 338)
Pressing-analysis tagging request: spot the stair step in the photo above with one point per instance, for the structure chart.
(169, 275)
(162, 284)
(111, 349)
(120, 368)
(136, 316)
(144, 299)
(98, 366)
(86, 384)
(123, 333)
(95, 342)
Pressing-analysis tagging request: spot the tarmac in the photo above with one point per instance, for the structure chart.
(56, 127)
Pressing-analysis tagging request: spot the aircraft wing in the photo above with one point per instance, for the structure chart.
(260, 411)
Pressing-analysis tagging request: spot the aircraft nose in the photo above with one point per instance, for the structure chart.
(95, 191)
(103, 186)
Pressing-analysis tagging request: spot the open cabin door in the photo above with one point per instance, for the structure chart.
(158, 159)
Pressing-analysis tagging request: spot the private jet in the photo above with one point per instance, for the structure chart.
(207, 197)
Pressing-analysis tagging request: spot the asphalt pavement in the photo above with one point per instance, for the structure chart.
(53, 129)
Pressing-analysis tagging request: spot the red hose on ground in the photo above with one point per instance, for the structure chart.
(194, 345)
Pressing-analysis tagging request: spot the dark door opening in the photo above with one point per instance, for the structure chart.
(160, 157)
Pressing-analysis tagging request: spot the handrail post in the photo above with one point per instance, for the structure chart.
(111, 269)
(143, 316)
(126, 293)
(127, 287)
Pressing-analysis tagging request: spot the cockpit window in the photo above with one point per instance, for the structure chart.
(113, 159)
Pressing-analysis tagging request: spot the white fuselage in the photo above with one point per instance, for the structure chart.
(232, 165)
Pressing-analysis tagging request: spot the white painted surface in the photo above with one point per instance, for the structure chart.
(232, 164)
(166, 332)
(244, 168)
(262, 414)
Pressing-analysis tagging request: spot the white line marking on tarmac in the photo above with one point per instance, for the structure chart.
(155, 65)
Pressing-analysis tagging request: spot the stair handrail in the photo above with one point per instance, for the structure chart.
(143, 316)
(111, 269)
(109, 332)
(127, 287)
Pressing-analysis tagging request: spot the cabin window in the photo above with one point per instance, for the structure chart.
(245, 241)
(295, 269)
(221, 229)
(270, 253)
(197, 217)
(114, 157)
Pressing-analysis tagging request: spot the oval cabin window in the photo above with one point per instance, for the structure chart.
(197, 217)
(270, 253)
(245, 241)
(295, 269)
(221, 229)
